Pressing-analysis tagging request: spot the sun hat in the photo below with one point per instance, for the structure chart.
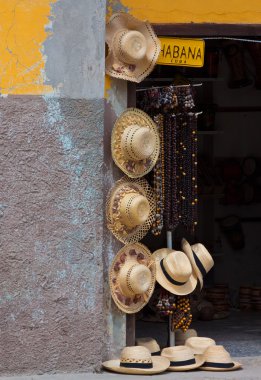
(137, 360)
(135, 143)
(150, 343)
(174, 271)
(216, 358)
(132, 277)
(130, 209)
(201, 260)
(181, 336)
(182, 358)
(199, 344)
(133, 48)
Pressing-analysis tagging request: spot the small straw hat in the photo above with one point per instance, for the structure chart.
(182, 358)
(199, 344)
(150, 343)
(135, 143)
(216, 358)
(133, 48)
(174, 271)
(137, 360)
(201, 260)
(130, 209)
(181, 337)
(132, 277)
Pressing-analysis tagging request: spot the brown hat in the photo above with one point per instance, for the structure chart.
(201, 260)
(133, 48)
(182, 358)
(132, 277)
(216, 358)
(137, 360)
(130, 209)
(135, 143)
(174, 271)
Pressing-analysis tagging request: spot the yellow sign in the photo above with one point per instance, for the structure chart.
(181, 52)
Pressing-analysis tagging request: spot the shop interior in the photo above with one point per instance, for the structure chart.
(227, 90)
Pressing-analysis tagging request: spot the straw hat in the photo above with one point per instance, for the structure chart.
(201, 260)
(199, 344)
(137, 360)
(216, 358)
(181, 336)
(150, 343)
(182, 358)
(174, 271)
(132, 277)
(133, 48)
(130, 209)
(135, 143)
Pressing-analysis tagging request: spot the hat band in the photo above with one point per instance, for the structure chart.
(218, 365)
(182, 363)
(155, 353)
(170, 279)
(136, 365)
(199, 264)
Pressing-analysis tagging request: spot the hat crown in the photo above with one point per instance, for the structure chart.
(150, 343)
(134, 209)
(130, 46)
(138, 143)
(203, 255)
(134, 278)
(135, 354)
(199, 344)
(178, 353)
(217, 354)
(178, 266)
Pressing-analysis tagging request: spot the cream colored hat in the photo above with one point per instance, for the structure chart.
(130, 209)
(182, 358)
(150, 343)
(216, 358)
(132, 277)
(174, 271)
(201, 260)
(181, 337)
(135, 143)
(133, 48)
(199, 344)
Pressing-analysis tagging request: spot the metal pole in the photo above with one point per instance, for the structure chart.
(171, 333)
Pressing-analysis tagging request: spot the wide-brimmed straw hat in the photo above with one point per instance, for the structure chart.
(182, 358)
(201, 260)
(182, 336)
(137, 360)
(130, 209)
(150, 343)
(132, 277)
(133, 48)
(199, 344)
(135, 143)
(174, 271)
(216, 358)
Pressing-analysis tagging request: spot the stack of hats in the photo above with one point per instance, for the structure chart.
(256, 297)
(245, 298)
(219, 297)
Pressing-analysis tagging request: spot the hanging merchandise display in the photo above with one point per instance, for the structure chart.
(132, 277)
(130, 209)
(182, 358)
(133, 48)
(135, 143)
(182, 317)
(166, 304)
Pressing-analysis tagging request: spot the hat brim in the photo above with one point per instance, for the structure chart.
(136, 74)
(181, 290)
(129, 117)
(186, 248)
(235, 367)
(160, 364)
(199, 361)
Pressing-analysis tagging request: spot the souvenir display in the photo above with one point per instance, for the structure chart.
(182, 317)
(166, 303)
(198, 344)
(182, 358)
(130, 209)
(137, 360)
(132, 277)
(133, 48)
(216, 358)
(135, 143)
(201, 260)
(150, 343)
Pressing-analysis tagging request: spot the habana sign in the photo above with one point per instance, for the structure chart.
(181, 52)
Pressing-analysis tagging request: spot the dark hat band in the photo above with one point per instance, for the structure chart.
(218, 365)
(136, 365)
(170, 279)
(183, 363)
(155, 353)
(199, 264)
